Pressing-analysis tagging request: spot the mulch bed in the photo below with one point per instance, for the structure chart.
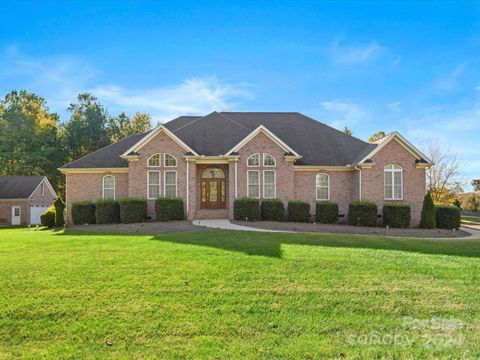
(141, 228)
(348, 229)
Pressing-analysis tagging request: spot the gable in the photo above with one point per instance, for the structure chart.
(394, 152)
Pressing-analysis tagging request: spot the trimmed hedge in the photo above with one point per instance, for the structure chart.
(362, 213)
(107, 212)
(427, 219)
(48, 217)
(448, 217)
(169, 208)
(298, 211)
(246, 209)
(59, 212)
(132, 209)
(272, 210)
(396, 215)
(83, 212)
(326, 212)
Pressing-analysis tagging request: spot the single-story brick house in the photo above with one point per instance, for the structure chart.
(210, 160)
(24, 198)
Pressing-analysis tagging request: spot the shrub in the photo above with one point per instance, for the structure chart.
(59, 212)
(169, 208)
(396, 215)
(107, 212)
(83, 212)
(48, 217)
(298, 211)
(362, 213)
(448, 217)
(326, 212)
(427, 219)
(132, 209)
(246, 209)
(273, 210)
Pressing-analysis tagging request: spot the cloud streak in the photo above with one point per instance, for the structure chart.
(341, 113)
(356, 54)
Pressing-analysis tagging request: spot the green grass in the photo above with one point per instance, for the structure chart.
(470, 219)
(223, 294)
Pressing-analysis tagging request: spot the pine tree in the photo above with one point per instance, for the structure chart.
(427, 220)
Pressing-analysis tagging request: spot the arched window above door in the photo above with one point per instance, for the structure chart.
(213, 173)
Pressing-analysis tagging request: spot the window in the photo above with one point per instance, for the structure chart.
(153, 184)
(109, 187)
(323, 186)
(169, 160)
(393, 180)
(42, 189)
(154, 160)
(213, 173)
(253, 160)
(269, 184)
(170, 183)
(268, 160)
(253, 183)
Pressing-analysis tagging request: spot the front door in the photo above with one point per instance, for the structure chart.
(16, 214)
(213, 189)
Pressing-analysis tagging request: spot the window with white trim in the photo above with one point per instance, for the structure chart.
(170, 183)
(268, 160)
(109, 187)
(393, 181)
(42, 189)
(169, 160)
(154, 160)
(253, 183)
(269, 184)
(322, 183)
(253, 160)
(153, 184)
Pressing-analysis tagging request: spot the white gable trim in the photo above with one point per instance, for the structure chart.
(49, 186)
(403, 142)
(151, 135)
(269, 134)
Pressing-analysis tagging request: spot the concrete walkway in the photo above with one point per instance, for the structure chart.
(225, 224)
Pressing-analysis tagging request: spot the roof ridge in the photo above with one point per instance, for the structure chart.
(236, 122)
(259, 112)
(190, 123)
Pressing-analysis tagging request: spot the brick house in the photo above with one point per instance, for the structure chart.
(24, 198)
(210, 160)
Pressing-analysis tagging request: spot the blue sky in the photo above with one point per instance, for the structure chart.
(405, 66)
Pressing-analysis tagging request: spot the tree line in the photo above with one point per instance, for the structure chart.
(34, 140)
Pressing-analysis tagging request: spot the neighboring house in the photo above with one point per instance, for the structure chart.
(211, 160)
(24, 198)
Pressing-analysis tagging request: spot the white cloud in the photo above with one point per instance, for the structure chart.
(450, 81)
(355, 54)
(395, 106)
(192, 96)
(59, 79)
(341, 113)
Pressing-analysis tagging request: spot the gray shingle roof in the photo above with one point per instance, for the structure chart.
(216, 133)
(18, 187)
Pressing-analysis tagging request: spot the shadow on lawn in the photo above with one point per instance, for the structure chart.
(270, 244)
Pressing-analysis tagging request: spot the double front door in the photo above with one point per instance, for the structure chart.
(213, 189)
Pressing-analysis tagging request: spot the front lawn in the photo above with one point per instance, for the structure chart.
(220, 294)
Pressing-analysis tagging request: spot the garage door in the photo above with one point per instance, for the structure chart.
(35, 213)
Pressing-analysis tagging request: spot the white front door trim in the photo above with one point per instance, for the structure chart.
(16, 215)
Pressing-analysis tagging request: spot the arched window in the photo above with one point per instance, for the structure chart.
(169, 160)
(268, 160)
(109, 187)
(213, 173)
(393, 182)
(253, 160)
(154, 160)
(322, 182)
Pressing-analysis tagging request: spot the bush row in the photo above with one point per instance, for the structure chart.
(125, 210)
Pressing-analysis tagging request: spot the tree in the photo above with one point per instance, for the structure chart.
(59, 212)
(30, 137)
(347, 131)
(376, 136)
(442, 178)
(122, 126)
(87, 130)
(476, 184)
(427, 218)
